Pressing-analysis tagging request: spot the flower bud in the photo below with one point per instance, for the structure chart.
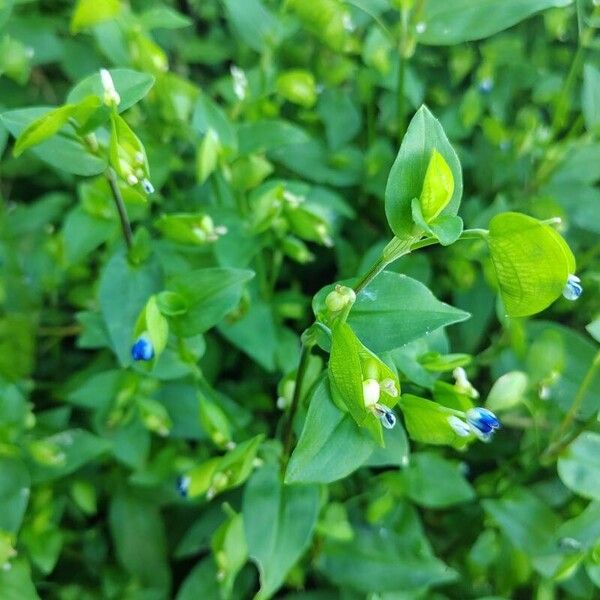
(339, 298)
(388, 385)
(111, 96)
(371, 392)
(142, 348)
(573, 288)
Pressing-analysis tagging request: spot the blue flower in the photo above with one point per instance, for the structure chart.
(483, 422)
(385, 415)
(182, 485)
(142, 348)
(486, 85)
(572, 289)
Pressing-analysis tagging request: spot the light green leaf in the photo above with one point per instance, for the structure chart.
(298, 86)
(207, 156)
(63, 152)
(438, 187)
(164, 17)
(331, 445)
(16, 582)
(157, 326)
(508, 391)
(92, 12)
(325, 18)
(279, 522)
(131, 86)
(579, 466)
(459, 21)
(394, 310)
(405, 182)
(268, 134)
(531, 260)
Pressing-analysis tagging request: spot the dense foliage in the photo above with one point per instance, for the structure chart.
(290, 299)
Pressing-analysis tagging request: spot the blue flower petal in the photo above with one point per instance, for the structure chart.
(573, 288)
(483, 421)
(142, 349)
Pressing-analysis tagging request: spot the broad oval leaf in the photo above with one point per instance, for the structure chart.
(579, 466)
(394, 310)
(459, 21)
(131, 86)
(531, 260)
(424, 136)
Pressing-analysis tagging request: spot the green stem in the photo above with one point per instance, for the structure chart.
(121, 210)
(377, 268)
(400, 105)
(288, 431)
(559, 442)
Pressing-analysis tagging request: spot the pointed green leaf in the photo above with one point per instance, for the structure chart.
(438, 187)
(394, 310)
(279, 521)
(531, 260)
(424, 137)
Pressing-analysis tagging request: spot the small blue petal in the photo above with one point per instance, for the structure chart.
(486, 85)
(182, 485)
(142, 349)
(573, 288)
(386, 416)
(483, 420)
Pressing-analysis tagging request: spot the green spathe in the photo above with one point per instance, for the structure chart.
(531, 260)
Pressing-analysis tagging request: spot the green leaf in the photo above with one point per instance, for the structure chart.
(340, 115)
(325, 18)
(531, 260)
(92, 12)
(139, 539)
(207, 156)
(590, 96)
(447, 229)
(394, 310)
(269, 134)
(124, 290)
(459, 21)
(131, 86)
(434, 482)
(424, 136)
(16, 582)
(164, 17)
(14, 493)
(156, 325)
(201, 582)
(74, 448)
(331, 445)
(256, 25)
(384, 559)
(579, 466)
(525, 520)
(63, 152)
(208, 115)
(52, 122)
(210, 294)
(279, 522)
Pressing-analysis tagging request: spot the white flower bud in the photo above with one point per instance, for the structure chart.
(371, 392)
(388, 385)
(111, 96)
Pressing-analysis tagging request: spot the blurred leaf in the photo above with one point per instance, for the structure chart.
(16, 582)
(590, 98)
(508, 391)
(131, 86)
(579, 466)
(91, 12)
(464, 20)
(279, 521)
(255, 24)
(14, 493)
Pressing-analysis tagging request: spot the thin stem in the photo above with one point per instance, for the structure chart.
(400, 106)
(288, 431)
(559, 442)
(377, 268)
(116, 192)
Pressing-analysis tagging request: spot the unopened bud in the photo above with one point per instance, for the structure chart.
(111, 96)
(339, 298)
(371, 392)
